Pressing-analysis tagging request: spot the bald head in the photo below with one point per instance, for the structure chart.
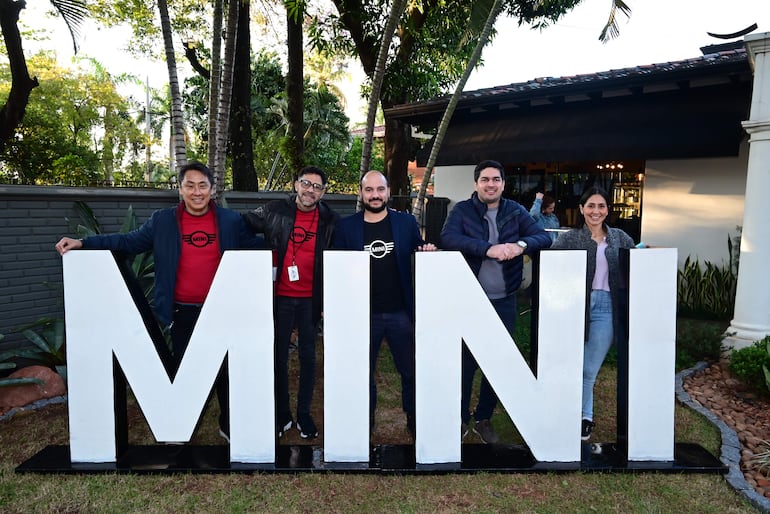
(375, 192)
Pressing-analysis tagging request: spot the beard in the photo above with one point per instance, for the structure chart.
(375, 210)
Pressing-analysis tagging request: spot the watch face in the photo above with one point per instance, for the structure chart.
(521, 243)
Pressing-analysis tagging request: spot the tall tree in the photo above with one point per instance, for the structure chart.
(610, 31)
(396, 10)
(177, 119)
(295, 78)
(215, 82)
(427, 59)
(241, 134)
(73, 12)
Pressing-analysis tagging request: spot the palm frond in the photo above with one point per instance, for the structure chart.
(611, 30)
(74, 13)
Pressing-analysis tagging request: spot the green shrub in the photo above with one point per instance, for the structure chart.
(697, 341)
(707, 291)
(747, 364)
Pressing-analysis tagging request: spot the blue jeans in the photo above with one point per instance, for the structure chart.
(397, 328)
(506, 310)
(600, 335)
(291, 312)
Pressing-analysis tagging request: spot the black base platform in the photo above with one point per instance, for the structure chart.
(385, 459)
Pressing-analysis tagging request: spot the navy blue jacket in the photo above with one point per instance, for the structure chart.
(467, 230)
(162, 235)
(406, 236)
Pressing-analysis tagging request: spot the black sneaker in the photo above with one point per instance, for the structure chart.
(282, 428)
(306, 427)
(486, 432)
(586, 429)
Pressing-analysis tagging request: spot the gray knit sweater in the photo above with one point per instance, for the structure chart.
(580, 239)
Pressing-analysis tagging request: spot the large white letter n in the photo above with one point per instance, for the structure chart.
(236, 322)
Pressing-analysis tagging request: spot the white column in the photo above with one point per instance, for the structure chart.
(751, 320)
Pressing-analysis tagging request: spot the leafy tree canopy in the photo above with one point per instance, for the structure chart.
(77, 127)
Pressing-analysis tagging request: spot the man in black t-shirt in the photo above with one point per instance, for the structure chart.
(390, 237)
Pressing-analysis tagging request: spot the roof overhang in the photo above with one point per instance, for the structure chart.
(685, 109)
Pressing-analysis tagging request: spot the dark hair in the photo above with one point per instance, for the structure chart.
(487, 164)
(547, 200)
(197, 166)
(588, 193)
(307, 170)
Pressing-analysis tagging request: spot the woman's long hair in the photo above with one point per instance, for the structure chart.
(588, 193)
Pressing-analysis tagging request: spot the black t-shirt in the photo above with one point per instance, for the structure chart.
(385, 281)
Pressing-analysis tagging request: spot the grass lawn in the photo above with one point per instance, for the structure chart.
(24, 435)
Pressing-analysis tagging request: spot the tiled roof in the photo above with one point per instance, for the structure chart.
(623, 73)
(554, 86)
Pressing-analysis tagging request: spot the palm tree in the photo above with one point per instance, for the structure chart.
(494, 11)
(396, 10)
(73, 12)
(610, 31)
(215, 82)
(177, 120)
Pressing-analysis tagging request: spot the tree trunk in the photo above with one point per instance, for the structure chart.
(226, 87)
(241, 147)
(494, 11)
(22, 84)
(177, 121)
(397, 143)
(215, 82)
(295, 91)
(396, 10)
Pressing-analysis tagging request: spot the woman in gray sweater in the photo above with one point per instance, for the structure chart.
(603, 282)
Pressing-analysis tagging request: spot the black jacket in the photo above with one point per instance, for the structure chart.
(276, 221)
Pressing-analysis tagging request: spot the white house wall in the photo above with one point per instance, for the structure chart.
(694, 205)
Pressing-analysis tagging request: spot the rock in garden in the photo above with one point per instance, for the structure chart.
(20, 395)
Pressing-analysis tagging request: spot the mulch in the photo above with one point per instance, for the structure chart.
(742, 409)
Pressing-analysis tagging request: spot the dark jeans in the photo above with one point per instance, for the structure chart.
(506, 309)
(291, 312)
(185, 317)
(397, 328)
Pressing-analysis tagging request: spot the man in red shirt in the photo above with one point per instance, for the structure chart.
(299, 229)
(187, 242)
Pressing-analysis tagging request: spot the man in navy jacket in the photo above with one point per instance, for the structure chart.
(493, 233)
(390, 237)
(187, 242)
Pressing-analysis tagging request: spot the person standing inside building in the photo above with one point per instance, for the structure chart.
(187, 242)
(603, 282)
(299, 228)
(543, 212)
(390, 237)
(493, 233)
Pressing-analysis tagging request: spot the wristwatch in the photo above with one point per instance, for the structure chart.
(522, 244)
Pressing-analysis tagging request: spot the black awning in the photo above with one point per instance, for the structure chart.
(685, 123)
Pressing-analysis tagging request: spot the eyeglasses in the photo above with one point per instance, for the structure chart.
(307, 185)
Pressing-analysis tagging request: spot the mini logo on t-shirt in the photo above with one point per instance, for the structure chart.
(379, 249)
(199, 238)
(300, 235)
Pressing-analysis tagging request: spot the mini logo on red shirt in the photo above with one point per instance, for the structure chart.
(199, 238)
(300, 235)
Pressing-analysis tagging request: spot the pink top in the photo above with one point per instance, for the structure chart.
(601, 273)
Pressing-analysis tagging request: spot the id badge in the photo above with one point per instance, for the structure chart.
(293, 273)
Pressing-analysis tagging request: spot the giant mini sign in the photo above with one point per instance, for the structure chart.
(104, 329)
